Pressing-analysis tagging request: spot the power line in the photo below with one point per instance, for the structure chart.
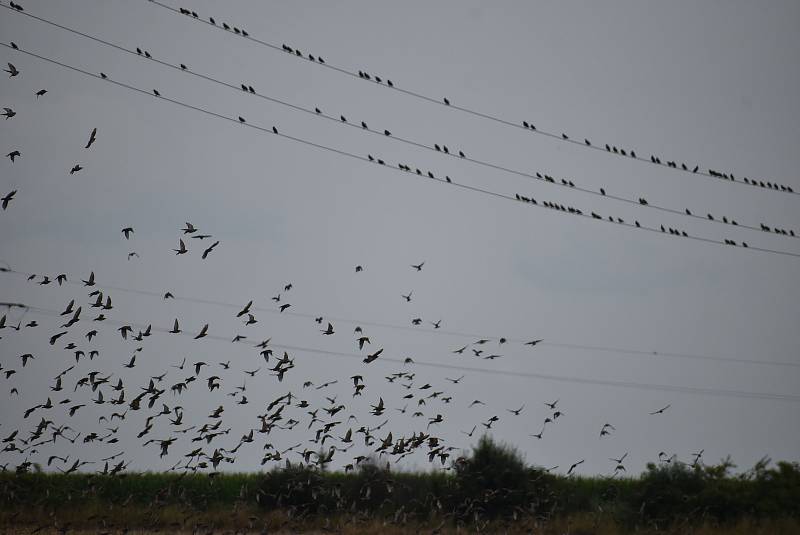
(559, 208)
(316, 112)
(608, 149)
(509, 373)
(546, 342)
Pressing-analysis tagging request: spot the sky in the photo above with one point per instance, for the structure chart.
(713, 84)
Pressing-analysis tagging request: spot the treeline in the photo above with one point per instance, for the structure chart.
(493, 484)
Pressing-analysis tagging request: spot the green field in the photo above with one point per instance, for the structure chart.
(493, 490)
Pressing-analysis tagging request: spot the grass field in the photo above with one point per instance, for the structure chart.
(493, 491)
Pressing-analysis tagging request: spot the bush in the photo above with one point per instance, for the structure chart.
(493, 480)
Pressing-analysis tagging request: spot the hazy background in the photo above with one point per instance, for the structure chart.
(710, 83)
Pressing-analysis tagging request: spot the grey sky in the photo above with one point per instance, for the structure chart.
(712, 83)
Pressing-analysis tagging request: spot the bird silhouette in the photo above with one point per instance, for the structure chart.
(661, 410)
(181, 248)
(12, 71)
(211, 248)
(7, 199)
(92, 138)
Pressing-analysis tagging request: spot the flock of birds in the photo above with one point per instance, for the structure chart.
(133, 407)
(613, 149)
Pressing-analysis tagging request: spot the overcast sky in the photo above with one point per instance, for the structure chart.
(713, 84)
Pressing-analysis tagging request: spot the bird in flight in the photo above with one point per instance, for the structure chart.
(373, 356)
(516, 412)
(12, 70)
(328, 331)
(92, 138)
(8, 113)
(189, 228)
(245, 310)
(574, 466)
(182, 249)
(13, 154)
(418, 267)
(7, 198)
(203, 332)
(40, 93)
(532, 342)
(661, 410)
(208, 251)
(408, 297)
(75, 169)
(127, 231)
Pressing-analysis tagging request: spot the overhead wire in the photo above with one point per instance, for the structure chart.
(709, 173)
(379, 162)
(316, 112)
(457, 367)
(545, 342)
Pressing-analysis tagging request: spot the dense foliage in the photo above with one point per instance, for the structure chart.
(493, 483)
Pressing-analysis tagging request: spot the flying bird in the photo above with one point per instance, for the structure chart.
(40, 93)
(12, 71)
(203, 332)
(8, 113)
(75, 169)
(7, 198)
(418, 267)
(92, 138)
(127, 231)
(661, 410)
(182, 249)
(574, 466)
(328, 331)
(13, 154)
(373, 356)
(207, 251)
